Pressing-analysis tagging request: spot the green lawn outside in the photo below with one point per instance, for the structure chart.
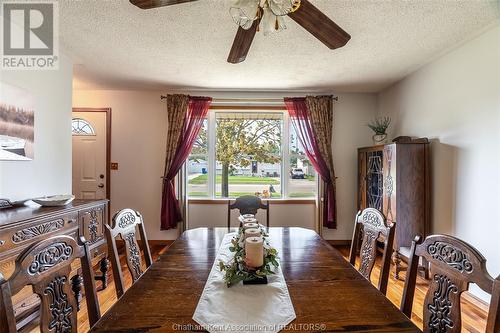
(310, 178)
(302, 195)
(203, 179)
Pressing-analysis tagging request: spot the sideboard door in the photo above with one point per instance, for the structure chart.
(92, 223)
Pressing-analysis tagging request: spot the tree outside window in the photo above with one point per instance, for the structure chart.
(248, 158)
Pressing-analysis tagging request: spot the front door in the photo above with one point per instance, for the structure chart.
(89, 155)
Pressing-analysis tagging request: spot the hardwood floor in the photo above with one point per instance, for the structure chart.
(107, 297)
(474, 312)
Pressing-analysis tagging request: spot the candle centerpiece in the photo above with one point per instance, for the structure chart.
(254, 259)
(244, 217)
(252, 233)
(250, 225)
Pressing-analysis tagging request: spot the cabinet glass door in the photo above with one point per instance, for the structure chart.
(374, 180)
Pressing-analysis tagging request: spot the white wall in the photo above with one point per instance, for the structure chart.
(455, 101)
(50, 171)
(280, 215)
(138, 138)
(139, 125)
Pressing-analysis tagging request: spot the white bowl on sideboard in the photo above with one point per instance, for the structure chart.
(54, 200)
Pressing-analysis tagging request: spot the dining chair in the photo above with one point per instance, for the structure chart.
(454, 265)
(46, 267)
(247, 204)
(125, 224)
(372, 225)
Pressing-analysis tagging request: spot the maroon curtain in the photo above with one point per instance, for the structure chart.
(193, 121)
(301, 122)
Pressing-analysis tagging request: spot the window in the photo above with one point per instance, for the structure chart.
(249, 153)
(80, 126)
(197, 165)
(302, 181)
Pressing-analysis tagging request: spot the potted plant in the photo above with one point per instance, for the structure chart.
(379, 126)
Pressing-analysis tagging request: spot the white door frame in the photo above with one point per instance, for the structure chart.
(108, 143)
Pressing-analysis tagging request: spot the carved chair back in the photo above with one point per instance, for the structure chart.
(46, 266)
(125, 224)
(373, 226)
(247, 204)
(454, 264)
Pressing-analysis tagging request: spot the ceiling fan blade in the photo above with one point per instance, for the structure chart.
(320, 25)
(147, 4)
(242, 43)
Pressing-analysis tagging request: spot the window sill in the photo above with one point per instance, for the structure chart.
(291, 201)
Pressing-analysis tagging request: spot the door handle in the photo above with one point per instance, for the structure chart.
(101, 185)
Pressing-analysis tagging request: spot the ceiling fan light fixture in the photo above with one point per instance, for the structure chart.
(271, 23)
(245, 12)
(303, 12)
(271, 13)
(240, 18)
(283, 7)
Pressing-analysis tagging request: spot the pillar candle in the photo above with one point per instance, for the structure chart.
(252, 233)
(250, 226)
(254, 252)
(242, 218)
(249, 220)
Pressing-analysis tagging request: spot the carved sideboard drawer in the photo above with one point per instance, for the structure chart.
(7, 264)
(18, 237)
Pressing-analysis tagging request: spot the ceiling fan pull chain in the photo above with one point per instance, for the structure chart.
(258, 17)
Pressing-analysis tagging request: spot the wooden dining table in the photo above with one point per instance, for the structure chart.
(328, 294)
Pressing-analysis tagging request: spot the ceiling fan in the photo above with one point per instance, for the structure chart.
(301, 11)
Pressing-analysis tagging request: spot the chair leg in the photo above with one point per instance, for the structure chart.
(397, 262)
(103, 267)
(76, 287)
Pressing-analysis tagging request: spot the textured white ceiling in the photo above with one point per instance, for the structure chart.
(116, 45)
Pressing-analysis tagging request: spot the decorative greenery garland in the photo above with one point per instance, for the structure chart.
(237, 270)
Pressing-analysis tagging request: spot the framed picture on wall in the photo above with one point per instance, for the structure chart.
(17, 124)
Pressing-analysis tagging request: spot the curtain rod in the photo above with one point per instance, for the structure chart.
(248, 100)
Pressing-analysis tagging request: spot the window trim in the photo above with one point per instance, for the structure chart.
(274, 201)
(285, 157)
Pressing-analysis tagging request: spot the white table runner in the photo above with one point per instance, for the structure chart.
(243, 308)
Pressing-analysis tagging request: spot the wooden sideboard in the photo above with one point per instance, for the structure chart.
(22, 226)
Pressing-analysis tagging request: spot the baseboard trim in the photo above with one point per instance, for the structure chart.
(339, 242)
(476, 300)
(152, 242)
